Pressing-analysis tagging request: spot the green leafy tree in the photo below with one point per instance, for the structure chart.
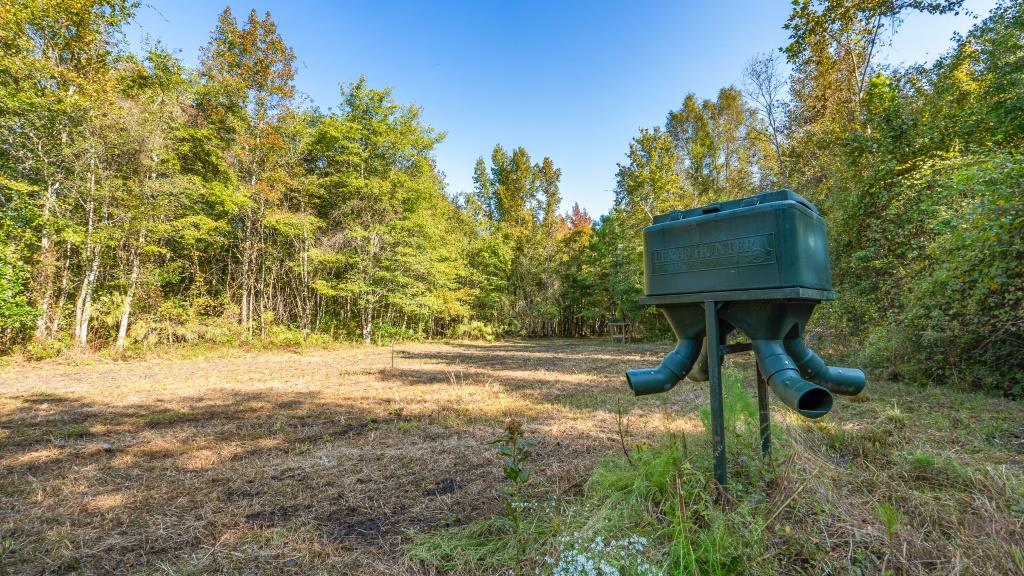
(647, 185)
(518, 244)
(720, 145)
(924, 233)
(386, 213)
(55, 71)
(154, 104)
(247, 73)
(833, 49)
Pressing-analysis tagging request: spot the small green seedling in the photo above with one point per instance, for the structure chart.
(890, 517)
(515, 452)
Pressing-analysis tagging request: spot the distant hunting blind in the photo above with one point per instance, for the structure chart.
(758, 265)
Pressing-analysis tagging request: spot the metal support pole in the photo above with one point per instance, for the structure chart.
(715, 376)
(765, 417)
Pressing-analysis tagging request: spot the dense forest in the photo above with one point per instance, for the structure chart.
(145, 202)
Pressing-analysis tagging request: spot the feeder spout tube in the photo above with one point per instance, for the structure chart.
(845, 381)
(699, 372)
(672, 369)
(780, 371)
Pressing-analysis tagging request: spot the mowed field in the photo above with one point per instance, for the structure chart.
(332, 461)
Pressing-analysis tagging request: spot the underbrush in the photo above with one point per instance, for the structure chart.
(475, 330)
(933, 281)
(271, 338)
(186, 329)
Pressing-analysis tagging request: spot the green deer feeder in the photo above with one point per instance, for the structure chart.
(758, 265)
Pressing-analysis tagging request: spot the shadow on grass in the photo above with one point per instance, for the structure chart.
(262, 481)
(113, 489)
(589, 357)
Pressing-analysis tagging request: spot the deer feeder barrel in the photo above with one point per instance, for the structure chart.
(762, 261)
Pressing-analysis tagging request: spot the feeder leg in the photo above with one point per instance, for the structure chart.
(765, 417)
(715, 377)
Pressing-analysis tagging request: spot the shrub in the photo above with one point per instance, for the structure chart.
(964, 315)
(943, 295)
(475, 330)
(16, 314)
(386, 334)
(287, 337)
(45, 349)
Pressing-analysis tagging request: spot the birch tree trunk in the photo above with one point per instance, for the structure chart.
(367, 321)
(88, 283)
(64, 278)
(84, 288)
(84, 302)
(126, 310)
(44, 279)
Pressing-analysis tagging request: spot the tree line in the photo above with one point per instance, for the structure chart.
(145, 201)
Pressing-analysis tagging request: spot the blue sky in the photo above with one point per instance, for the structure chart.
(569, 80)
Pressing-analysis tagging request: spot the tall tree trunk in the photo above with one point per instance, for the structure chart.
(84, 303)
(245, 276)
(83, 334)
(265, 285)
(251, 263)
(62, 298)
(83, 307)
(126, 310)
(304, 292)
(44, 277)
(244, 306)
(367, 321)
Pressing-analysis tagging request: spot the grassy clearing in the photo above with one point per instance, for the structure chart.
(861, 496)
(651, 512)
(330, 461)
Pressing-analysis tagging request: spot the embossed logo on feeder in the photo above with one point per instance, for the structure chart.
(746, 251)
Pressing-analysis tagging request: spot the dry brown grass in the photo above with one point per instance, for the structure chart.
(327, 461)
(284, 462)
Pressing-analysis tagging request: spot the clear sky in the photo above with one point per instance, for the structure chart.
(569, 80)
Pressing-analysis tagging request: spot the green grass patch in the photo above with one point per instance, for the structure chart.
(482, 546)
(655, 512)
(407, 425)
(166, 417)
(71, 432)
(937, 471)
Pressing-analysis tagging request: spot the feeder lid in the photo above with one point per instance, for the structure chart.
(755, 200)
